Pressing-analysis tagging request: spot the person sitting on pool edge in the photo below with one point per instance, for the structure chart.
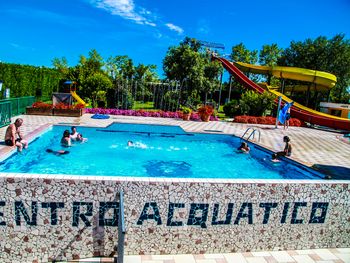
(244, 148)
(66, 141)
(59, 152)
(287, 151)
(13, 131)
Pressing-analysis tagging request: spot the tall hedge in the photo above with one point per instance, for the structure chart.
(25, 80)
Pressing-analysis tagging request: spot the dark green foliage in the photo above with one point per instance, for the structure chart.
(165, 98)
(24, 80)
(232, 109)
(255, 104)
(268, 56)
(241, 54)
(190, 65)
(329, 55)
(251, 103)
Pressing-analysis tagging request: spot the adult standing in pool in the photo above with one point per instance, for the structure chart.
(13, 136)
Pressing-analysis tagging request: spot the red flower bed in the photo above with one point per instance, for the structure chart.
(63, 106)
(41, 105)
(265, 120)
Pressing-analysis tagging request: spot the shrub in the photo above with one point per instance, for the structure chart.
(143, 113)
(42, 105)
(265, 120)
(262, 120)
(270, 120)
(205, 110)
(186, 110)
(232, 108)
(256, 104)
(252, 120)
(241, 119)
(295, 122)
(61, 106)
(79, 106)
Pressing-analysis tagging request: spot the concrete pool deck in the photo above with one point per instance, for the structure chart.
(311, 147)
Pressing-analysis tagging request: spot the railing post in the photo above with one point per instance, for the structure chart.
(18, 105)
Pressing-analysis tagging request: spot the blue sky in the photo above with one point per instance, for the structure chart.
(36, 31)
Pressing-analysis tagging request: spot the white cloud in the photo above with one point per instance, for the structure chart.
(127, 10)
(175, 28)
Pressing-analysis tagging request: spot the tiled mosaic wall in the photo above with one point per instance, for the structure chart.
(55, 219)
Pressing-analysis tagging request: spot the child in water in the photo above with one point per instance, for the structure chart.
(244, 148)
(136, 145)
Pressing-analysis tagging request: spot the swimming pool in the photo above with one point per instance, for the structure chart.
(162, 151)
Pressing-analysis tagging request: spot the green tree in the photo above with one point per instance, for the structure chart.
(61, 65)
(121, 66)
(25, 80)
(241, 54)
(329, 55)
(268, 56)
(190, 65)
(97, 85)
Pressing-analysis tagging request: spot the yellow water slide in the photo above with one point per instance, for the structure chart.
(286, 99)
(77, 98)
(321, 80)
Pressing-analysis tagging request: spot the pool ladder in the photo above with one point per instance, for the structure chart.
(252, 133)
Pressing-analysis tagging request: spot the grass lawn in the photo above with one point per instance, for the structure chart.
(143, 105)
(221, 113)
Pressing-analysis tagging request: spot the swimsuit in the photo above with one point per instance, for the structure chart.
(8, 142)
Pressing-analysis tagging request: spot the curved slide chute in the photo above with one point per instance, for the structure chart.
(77, 98)
(323, 80)
(297, 110)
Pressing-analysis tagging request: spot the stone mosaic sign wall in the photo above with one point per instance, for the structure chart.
(61, 219)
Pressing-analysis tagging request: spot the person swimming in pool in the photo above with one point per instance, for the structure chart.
(66, 140)
(76, 136)
(244, 148)
(136, 145)
(59, 152)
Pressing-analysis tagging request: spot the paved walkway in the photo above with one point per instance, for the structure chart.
(336, 255)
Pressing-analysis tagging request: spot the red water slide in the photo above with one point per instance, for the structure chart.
(295, 111)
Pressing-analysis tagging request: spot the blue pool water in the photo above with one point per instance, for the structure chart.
(164, 151)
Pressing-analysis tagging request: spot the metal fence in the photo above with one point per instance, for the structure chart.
(5, 113)
(166, 96)
(13, 107)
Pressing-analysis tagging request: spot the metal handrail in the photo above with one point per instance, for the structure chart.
(121, 230)
(252, 133)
